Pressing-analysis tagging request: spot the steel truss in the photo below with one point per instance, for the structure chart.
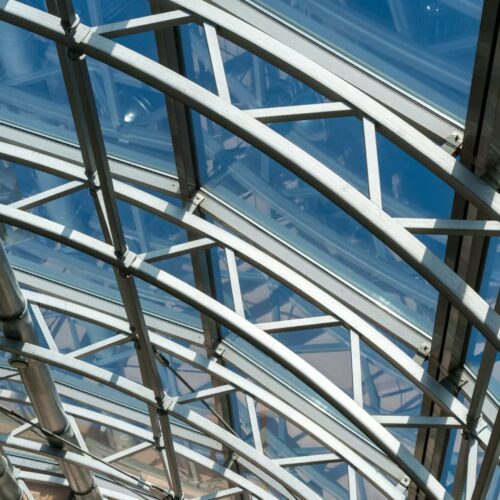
(379, 453)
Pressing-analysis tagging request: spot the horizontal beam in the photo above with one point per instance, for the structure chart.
(144, 24)
(451, 227)
(49, 195)
(293, 325)
(301, 112)
(417, 421)
(202, 394)
(176, 250)
(324, 458)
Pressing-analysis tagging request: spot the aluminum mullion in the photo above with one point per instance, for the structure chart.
(176, 250)
(254, 423)
(217, 64)
(372, 166)
(205, 394)
(47, 335)
(170, 55)
(357, 374)
(37, 378)
(451, 227)
(77, 79)
(292, 325)
(489, 464)
(257, 392)
(49, 195)
(301, 112)
(144, 24)
(10, 487)
(234, 281)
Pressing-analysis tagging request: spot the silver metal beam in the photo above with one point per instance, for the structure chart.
(370, 335)
(10, 489)
(146, 395)
(37, 379)
(319, 432)
(451, 227)
(144, 24)
(312, 171)
(301, 112)
(176, 250)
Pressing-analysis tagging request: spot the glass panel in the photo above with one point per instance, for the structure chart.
(427, 47)
(489, 291)
(18, 182)
(408, 188)
(133, 115)
(327, 349)
(294, 211)
(119, 359)
(70, 333)
(338, 143)
(32, 91)
(330, 481)
(103, 440)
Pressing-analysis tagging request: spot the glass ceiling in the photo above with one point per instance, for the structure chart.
(424, 47)
(240, 283)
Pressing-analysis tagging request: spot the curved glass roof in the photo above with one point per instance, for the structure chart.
(424, 47)
(226, 272)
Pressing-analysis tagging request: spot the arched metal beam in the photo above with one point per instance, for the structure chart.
(333, 87)
(91, 464)
(289, 155)
(137, 391)
(247, 386)
(311, 376)
(76, 459)
(296, 282)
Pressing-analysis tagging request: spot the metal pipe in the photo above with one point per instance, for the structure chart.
(37, 379)
(9, 487)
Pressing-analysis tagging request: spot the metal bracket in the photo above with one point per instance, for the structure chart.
(166, 405)
(453, 142)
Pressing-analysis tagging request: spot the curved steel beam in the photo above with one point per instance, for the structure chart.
(75, 459)
(333, 87)
(245, 385)
(91, 464)
(137, 391)
(295, 281)
(289, 155)
(311, 376)
(324, 301)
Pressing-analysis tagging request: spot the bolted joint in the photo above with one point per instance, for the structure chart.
(166, 404)
(18, 362)
(75, 55)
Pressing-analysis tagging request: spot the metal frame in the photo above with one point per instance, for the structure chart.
(100, 174)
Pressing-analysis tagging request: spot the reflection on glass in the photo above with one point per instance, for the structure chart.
(424, 46)
(70, 333)
(133, 115)
(489, 291)
(329, 481)
(102, 440)
(32, 91)
(327, 349)
(294, 211)
(408, 188)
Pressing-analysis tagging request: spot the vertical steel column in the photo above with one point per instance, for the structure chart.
(466, 254)
(9, 486)
(85, 117)
(37, 379)
(170, 55)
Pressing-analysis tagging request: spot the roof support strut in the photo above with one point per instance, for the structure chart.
(37, 379)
